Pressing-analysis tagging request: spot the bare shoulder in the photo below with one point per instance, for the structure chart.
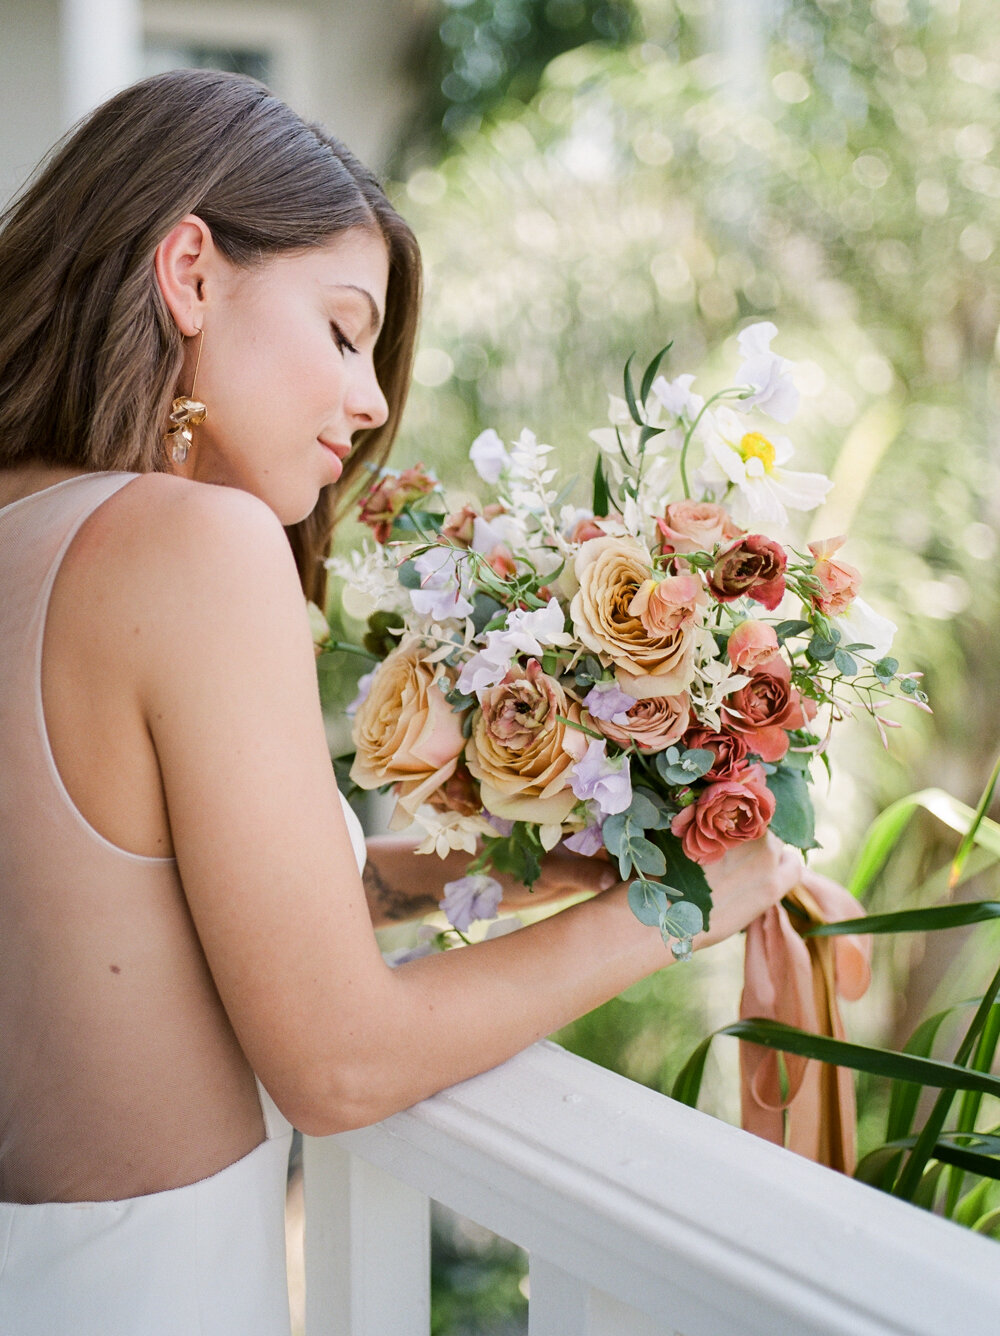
(161, 522)
(166, 563)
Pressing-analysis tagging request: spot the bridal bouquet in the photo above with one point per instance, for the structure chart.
(651, 676)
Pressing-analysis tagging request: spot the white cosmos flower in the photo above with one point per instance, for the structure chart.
(862, 625)
(754, 465)
(774, 391)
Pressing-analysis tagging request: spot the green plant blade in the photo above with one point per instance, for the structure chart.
(989, 1224)
(912, 1170)
(887, 828)
(649, 375)
(933, 919)
(968, 839)
(968, 1110)
(687, 1086)
(905, 1094)
(862, 1058)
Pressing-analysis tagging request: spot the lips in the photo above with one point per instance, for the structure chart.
(337, 448)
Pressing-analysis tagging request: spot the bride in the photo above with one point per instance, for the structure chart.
(187, 957)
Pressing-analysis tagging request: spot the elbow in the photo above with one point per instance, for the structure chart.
(343, 1105)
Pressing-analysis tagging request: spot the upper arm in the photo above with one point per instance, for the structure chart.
(228, 688)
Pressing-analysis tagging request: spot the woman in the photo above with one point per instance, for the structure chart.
(187, 962)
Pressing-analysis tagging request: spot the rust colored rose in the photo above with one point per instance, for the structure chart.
(458, 526)
(762, 710)
(385, 500)
(618, 616)
(726, 813)
(730, 751)
(695, 526)
(521, 752)
(654, 723)
(405, 731)
(839, 581)
(751, 567)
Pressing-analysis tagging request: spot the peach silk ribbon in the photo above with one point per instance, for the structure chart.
(796, 980)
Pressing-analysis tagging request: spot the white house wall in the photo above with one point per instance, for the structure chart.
(338, 62)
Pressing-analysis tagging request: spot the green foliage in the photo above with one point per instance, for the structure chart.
(793, 819)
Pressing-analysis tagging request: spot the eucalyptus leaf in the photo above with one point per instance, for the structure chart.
(785, 630)
(647, 901)
(682, 919)
(845, 663)
(646, 857)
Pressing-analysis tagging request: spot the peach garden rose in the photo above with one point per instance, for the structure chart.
(405, 732)
(644, 627)
(521, 752)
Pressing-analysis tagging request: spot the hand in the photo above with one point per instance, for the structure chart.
(745, 882)
(564, 873)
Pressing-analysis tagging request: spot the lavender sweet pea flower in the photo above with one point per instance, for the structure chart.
(774, 391)
(469, 899)
(587, 841)
(606, 701)
(364, 686)
(599, 779)
(525, 633)
(489, 456)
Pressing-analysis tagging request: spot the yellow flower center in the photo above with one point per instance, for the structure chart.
(755, 446)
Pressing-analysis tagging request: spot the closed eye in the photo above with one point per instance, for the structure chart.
(341, 339)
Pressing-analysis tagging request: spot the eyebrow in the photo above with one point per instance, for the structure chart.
(376, 314)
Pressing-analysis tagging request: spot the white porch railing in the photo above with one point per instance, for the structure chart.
(640, 1216)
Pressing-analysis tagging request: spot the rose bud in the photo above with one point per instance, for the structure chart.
(751, 644)
(840, 582)
(389, 495)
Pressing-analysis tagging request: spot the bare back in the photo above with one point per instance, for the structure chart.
(120, 1073)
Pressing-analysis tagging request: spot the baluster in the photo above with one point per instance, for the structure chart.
(367, 1247)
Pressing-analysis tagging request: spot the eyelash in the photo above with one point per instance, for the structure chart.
(343, 343)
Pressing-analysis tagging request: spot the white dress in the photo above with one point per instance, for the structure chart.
(206, 1259)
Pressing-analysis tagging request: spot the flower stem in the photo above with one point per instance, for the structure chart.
(691, 430)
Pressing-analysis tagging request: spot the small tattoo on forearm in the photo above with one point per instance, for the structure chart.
(391, 904)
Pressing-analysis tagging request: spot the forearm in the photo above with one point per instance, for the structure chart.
(401, 884)
(445, 1017)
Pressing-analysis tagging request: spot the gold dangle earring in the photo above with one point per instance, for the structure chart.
(186, 412)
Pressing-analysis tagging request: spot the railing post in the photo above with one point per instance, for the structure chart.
(564, 1305)
(367, 1247)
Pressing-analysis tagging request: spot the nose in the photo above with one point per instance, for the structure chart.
(366, 403)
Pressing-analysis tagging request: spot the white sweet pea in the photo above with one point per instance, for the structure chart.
(501, 531)
(443, 590)
(676, 397)
(524, 633)
(489, 456)
(754, 465)
(862, 625)
(774, 391)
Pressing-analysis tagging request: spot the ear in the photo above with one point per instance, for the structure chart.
(183, 261)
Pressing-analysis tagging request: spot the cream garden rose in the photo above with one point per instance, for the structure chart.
(630, 620)
(521, 752)
(405, 732)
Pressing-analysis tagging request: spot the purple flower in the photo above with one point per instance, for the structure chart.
(364, 686)
(599, 779)
(470, 898)
(587, 841)
(499, 823)
(606, 701)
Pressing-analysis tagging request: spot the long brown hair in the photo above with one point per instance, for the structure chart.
(89, 353)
